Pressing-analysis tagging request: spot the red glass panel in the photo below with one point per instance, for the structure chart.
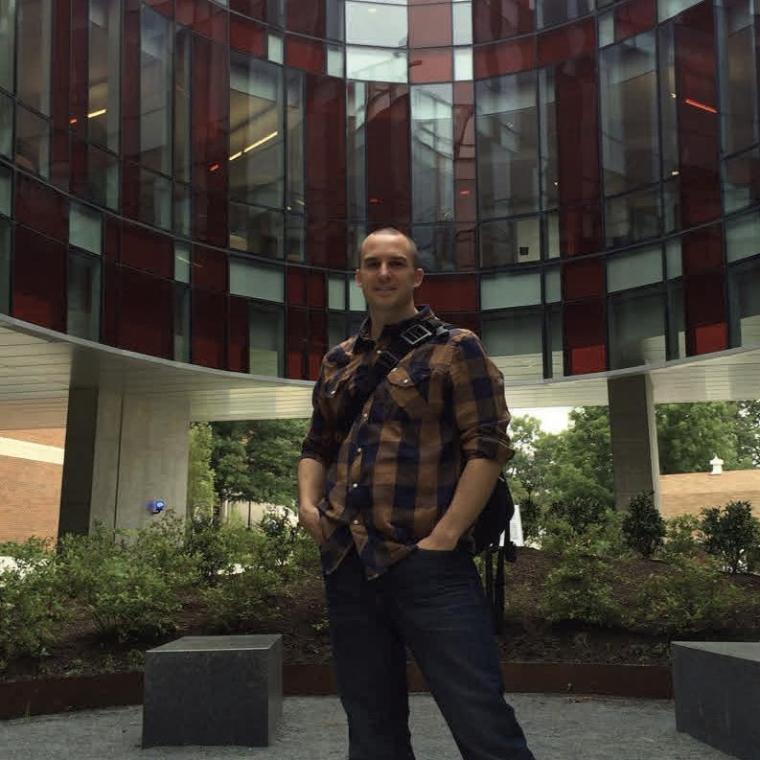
(164, 7)
(702, 250)
(209, 328)
(109, 324)
(78, 165)
(247, 36)
(253, 8)
(569, 41)
(583, 279)
(39, 280)
(578, 157)
(59, 159)
(430, 25)
(307, 17)
(584, 328)
(496, 19)
(430, 65)
(388, 155)
(450, 293)
(204, 17)
(209, 269)
(42, 208)
(466, 250)
(209, 141)
(147, 250)
(112, 239)
(237, 335)
(308, 55)
(505, 58)
(317, 290)
(298, 330)
(697, 109)
(317, 342)
(634, 17)
(705, 306)
(296, 284)
(145, 318)
(464, 152)
(325, 149)
(130, 189)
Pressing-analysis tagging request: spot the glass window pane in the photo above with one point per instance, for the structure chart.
(265, 341)
(376, 64)
(552, 286)
(746, 295)
(256, 281)
(548, 139)
(103, 102)
(742, 237)
(155, 200)
(514, 342)
(551, 12)
(741, 180)
(507, 142)
(85, 228)
(7, 42)
(668, 8)
(182, 215)
(6, 126)
(257, 230)
(334, 61)
(83, 301)
(102, 178)
(182, 116)
(181, 323)
(463, 64)
(356, 300)
(629, 114)
(5, 266)
(182, 257)
(433, 153)
(294, 117)
(437, 246)
(275, 48)
(504, 291)
(34, 49)
(156, 92)
(632, 217)
(375, 24)
(515, 241)
(637, 329)
(6, 190)
(674, 258)
(356, 139)
(462, 18)
(32, 142)
(631, 270)
(336, 293)
(256, 131)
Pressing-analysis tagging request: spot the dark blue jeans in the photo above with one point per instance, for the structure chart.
(434, 603)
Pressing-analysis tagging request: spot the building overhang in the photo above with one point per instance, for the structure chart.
(38, 367)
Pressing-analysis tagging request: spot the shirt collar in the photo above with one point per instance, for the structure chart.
(363, 337)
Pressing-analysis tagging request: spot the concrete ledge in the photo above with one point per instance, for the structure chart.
(213, 691)
(717, 692)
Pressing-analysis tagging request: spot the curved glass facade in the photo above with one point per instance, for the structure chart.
(189, 179)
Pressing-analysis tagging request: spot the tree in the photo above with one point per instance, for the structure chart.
(748, 433)
(732, 534)
(522, 473)
(643, 526)
(200, 475)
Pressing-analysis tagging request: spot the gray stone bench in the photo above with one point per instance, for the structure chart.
(213, 691)
(717, 691)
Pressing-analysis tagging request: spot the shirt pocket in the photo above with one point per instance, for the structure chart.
(409, 391)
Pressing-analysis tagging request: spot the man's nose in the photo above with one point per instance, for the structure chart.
(384, 269)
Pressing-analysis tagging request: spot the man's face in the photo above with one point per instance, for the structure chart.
(386, 273)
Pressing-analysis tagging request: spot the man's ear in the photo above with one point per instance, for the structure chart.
(419, 276)
(358, 277)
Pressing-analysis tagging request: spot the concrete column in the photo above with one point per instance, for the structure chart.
(633, 434)
(122, 451)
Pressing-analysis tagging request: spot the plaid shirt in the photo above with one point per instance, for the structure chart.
(392, 475)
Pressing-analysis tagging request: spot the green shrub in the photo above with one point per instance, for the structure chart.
(689, 597)
(602, 539)
(643, 526)
(732, 534)
(681, 538)
(31, 607)
(530, 515)
(580, 588)
(132, 583)
(579, 512)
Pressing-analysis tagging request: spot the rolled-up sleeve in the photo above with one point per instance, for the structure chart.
(480, 408)
(320, 442)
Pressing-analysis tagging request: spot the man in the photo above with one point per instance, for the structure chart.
(389, 487)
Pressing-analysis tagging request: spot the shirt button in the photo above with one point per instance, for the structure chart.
(365, 416)
(354, 485)
(359, 450)
(355, 522)
(406, 380)
(379, 351)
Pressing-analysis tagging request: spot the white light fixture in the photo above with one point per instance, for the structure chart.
(97, 113)
(255, 145)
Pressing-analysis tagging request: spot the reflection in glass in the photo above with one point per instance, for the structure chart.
(103, 98)
(34, 45)
(257, 230)
(632, 270)
(437, 246)
(155, 200)
(462, 23)
(514, 342)
(432, 153)
(376, 64)
(83, 296)
(745, 297)
(668, 102)
(265, 341)
(514, 241)
(295, 237)
(256, 131)
(182, 257)
(32, 142)
(738, 75)
(182, 217)
(7, 42)
(637, 328)
(551, 234)
(247, 278)
(548, 139)
(671, 203)
(507, 139)
(294, 118)
(632, 217)
(85, 228)
(629, 114)
(155, 91)
(356, 148)
(742, 237)
(551, 12)
(182, 118)
(275, 48)
(463, 64)
(741, 180)
(375, 24)
(102, 178)
(6, 126)
(507, 290)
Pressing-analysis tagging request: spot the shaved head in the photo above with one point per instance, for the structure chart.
(411, 246)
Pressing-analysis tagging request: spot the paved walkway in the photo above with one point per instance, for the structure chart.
(313, 728)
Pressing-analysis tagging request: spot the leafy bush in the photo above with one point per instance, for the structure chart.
(132, 583)
(31, 607)
(681, 538)
(691, 597)
(732, 534)
(643, 526)
(581, 588)
(580, 512)
(530, 515)
(602, 539)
